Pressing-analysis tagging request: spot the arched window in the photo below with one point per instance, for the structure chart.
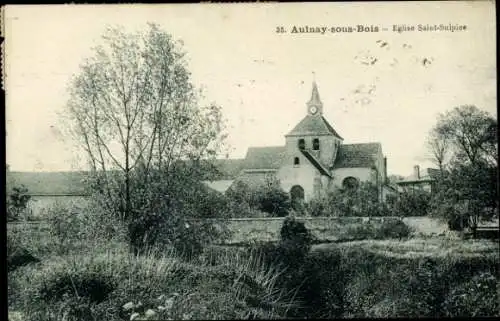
(350, 183)
(316, 144)
(296, 161)
(302, 144)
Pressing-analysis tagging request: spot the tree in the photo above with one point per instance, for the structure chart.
(17, 202)
(137, 116)
(469, 133)
(467, 189)
(272, 199)
(438, 145)
(467, 193)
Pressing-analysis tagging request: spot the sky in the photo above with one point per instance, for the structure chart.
(384, 86)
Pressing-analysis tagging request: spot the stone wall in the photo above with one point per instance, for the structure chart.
(326, 229)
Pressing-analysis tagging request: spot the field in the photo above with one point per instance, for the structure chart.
(387, 277)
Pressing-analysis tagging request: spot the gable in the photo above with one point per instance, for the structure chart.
(313, 125)
(357, 155)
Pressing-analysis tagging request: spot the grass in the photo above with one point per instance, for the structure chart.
(419, 247)
(95, 284)
(81, 279)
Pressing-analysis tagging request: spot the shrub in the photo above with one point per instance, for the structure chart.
(17, 255)
(273, 200)
(160, 206)
(117, 285)
(414, 203)
(477, 297)
(17, 203)
(362, 201)
(65, 226)
(393, 229)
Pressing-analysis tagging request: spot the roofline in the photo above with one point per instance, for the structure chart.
(429, 180)
(367, 167)
(256, 170)
(313, 134)
(316, 163)
(56, 194)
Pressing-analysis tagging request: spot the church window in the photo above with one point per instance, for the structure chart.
(350, 183)
(316, 144)
(296, 161)
(302, 144)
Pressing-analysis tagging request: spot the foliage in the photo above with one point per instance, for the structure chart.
(361, 201)
(272, 199)
(471, 134)
(466, 193)
(136, 114)
(17, 255)
(17, 202)
(411, 203)
(467, 187)
(65, 226)
(476, 297)
(117, 286)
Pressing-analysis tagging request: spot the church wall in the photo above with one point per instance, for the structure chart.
(362, 174)
(303, 175)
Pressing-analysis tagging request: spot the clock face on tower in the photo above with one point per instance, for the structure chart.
(313, 110)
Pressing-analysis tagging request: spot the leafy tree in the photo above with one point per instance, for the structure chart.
(138, 117)
(466, 194)
(467, 189)
(411, 203)
(360, 201)
(272, 199)
(469, 133)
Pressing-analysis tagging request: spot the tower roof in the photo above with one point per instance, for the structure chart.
(315, 100)
(313, 125)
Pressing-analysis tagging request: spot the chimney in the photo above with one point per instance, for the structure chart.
(385, 170)
(416, 171)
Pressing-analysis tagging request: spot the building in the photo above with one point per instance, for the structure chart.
(423, 180)
(314, 159)
(49, 189)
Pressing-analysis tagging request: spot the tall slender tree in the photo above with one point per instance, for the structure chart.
(132, 106)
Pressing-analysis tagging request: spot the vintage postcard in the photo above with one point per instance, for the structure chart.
(187, 161)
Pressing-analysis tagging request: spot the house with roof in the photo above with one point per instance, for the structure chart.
(421, 179)
(49, 189)
(314, 159)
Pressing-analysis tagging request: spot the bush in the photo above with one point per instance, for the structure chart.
(362, 201)
(415, 203)
(273, 200)
(160, 207)
(393, 229)
(65, 226)
(17, 203)
(477, 297)
(17, 255)
(117, 285)
(387, 229)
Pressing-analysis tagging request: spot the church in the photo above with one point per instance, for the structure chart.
(313, 160)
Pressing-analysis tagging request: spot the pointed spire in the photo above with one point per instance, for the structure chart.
(315, 101)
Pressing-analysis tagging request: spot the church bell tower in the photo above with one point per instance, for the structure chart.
(314, 105)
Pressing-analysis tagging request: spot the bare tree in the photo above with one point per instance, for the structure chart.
(132, 105)
(439, 147)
